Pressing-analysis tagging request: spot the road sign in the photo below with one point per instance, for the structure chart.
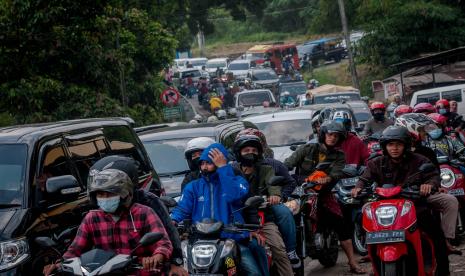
(172, 112)
(170, 96)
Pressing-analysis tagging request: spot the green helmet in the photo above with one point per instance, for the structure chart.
(112, 181)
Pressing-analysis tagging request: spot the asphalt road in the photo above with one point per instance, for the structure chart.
(313, 267)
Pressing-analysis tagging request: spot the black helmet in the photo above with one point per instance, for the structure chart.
(332, 127)
(396, 133)
(248, 140)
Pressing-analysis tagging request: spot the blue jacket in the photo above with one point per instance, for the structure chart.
(216, 196)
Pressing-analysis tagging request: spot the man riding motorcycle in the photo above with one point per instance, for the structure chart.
(215, 195)
(397, 101)
(119, 223)
(306, 158)
(396, 165)
(379, 120)
(249, 155)
(192, 153)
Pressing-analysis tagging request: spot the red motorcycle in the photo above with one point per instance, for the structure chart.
(396, 245)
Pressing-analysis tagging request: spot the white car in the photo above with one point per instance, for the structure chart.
(198, 63)
(213, 64)
(284, 129)
(240, 68)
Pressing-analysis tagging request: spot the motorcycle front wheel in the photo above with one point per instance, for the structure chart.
(329, 255)
(358, 240)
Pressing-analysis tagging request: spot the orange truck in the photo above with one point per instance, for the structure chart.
(274, 53)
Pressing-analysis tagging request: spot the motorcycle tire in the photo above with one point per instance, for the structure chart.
(328, 256)
(358, 240)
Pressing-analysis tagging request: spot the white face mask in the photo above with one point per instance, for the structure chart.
(109, 204)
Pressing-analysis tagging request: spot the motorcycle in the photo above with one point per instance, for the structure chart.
(101, 262)
(372, 142)
(396, 245)
(315, 239)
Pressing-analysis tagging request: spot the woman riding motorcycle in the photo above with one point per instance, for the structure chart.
(443, 144)
(306, 158)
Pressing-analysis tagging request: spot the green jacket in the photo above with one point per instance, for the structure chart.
(307, 157)
(258, 180)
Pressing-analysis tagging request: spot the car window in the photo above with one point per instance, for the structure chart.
(453, 95)
(264, 75)
(277, 133)
(238, 66)
(13, 171)
(431, 98)
(335, 98)
(294, 90)
(174, 148)
(198, 62)
(254, 99)
(216, 65)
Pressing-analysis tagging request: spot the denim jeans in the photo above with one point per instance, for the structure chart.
(253, 259)
(284, 219)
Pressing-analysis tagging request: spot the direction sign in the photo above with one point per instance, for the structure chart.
(172, 112)
(170, 96)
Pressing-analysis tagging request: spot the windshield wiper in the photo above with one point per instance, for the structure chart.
(9, 205)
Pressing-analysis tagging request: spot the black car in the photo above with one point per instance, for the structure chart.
(166, 147)
(43, 172)
(294, 88)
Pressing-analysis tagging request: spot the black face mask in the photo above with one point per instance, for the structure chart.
(249, 159)
(379, 116)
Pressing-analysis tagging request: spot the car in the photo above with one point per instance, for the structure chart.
(213, 64)
(294, 88)
(181, 75)
(240, 67)
(166, 148)
(255, 97)
(361, 112)
(263, 78)
(197, 63)
(323, 49)
(44, 170)
(284, 129)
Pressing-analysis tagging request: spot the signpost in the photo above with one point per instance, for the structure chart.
(170, 98)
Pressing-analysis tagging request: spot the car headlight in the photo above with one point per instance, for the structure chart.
(203, 254)
(385, 215)
(447, 178)
(13, 252)
(227, 248)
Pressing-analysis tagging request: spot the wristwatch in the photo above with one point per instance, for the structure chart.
(177, 261)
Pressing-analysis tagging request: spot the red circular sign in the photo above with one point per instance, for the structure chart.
(170, 96)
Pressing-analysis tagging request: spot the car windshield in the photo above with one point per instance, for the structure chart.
(265, 75)
(294, 90)
(12, 174)
(238, 66)
(216, 65)
(254, 99)
(278, 135)
(362, 116)
(253, 56)
(335, 98)
(167, 156)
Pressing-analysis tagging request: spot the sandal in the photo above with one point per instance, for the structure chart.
(357, 270)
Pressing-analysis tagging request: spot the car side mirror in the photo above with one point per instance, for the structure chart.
(427, 168)
(254, 201)
(65, 185)
(276, 181)
(168, 201)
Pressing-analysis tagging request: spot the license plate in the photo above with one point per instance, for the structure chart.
(349, 181)
(385, 236)
(457, 192)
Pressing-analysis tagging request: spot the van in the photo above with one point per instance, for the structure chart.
(450, 93)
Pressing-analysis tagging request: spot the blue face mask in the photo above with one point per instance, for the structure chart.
(109, 204)
(442, 111)
(435, 134)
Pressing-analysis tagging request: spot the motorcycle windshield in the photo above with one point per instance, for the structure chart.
(209, 228)
(95, 258)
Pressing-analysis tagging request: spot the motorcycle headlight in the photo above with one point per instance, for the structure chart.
(184, 253)
(385, 215)
(13, 252)
(203, 254)
(406, 208)
(367, 211)
(447, 178)
(227, 248)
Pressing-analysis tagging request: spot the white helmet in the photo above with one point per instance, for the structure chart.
(198, 118)
(193, 122)
(221, 114)
(286, 93)
(212, 119)
(199, 143)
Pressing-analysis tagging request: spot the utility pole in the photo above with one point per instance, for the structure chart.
(201, 40)
(345, 30)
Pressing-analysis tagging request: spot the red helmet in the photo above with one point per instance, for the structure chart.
(438, 118)
(443, 103)
(424, 107)
(377, 105)
(402, 109)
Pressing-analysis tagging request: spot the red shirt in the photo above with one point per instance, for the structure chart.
(99, 230)
(356, 152)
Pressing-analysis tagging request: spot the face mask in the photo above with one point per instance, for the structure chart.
(379, 116)
(109, 204)
(442, 111)
(435, 134)
(249, 159)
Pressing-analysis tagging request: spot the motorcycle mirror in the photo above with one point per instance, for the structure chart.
(148, 239)
(45, 242)
(254, 201)
(373, 155)
(168, 201)
(323, 166)
(276, 181)
(427, 168)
